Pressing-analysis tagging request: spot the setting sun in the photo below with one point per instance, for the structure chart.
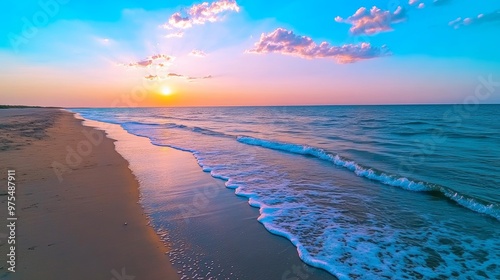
(166, 91)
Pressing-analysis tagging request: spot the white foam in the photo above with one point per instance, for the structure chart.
(391, 180)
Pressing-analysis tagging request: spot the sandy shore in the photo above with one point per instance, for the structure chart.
(71, 219)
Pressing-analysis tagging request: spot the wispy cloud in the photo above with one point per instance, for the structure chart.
(198, 53)
(373, 21)
(156, 67)
(104, 41)
(200, 78)
(159, 60)
(415, 2)
(481, 18)
(178, 34)
(286, 42)
(201, 13)
(441, 2)
(175, 75)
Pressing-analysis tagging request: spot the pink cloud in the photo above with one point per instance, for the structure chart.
(479, 19)
(158, 60)
(286, 42)
(441, 2)
(414, 2)
(198, 53)
(201, 13)
(175, 76)
(454, 23)
(373, 21)
(179, 34)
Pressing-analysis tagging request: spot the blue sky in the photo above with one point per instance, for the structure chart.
(401, 52)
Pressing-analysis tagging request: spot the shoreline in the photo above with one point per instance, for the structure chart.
(78, 207)
(206, 222)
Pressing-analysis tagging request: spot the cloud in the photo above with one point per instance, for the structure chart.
(480, 19)
(175, 75)
(200, 78)
(198, 53)
(179, 34)
(161, 57)
(151, 77)
(158, 65)
(201, 13)
(139, 64)
(441, 2)
(286, 42)
(414, 2)
(104, 41)
(456, 22)
(158, 60)
(373, 21)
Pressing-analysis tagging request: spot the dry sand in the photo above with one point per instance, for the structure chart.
(73, 229)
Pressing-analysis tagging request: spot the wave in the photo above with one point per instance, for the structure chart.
(179, 126)
(416, 123)
(208, 132)
(200, 130)
(466, 201)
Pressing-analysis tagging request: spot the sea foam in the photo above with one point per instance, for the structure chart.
(468, 202)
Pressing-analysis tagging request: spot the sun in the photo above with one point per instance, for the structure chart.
(166, 91)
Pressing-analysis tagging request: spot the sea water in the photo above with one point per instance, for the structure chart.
(363, 192)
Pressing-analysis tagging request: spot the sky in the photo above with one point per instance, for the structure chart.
(133, 53)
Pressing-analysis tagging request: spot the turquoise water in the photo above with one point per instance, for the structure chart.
(363, 192)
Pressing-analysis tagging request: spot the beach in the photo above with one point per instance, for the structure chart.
(234, 140)
(89, 225)
(173, 193)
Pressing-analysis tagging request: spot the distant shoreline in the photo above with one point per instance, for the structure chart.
(25, 107)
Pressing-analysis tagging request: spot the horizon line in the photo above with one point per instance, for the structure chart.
(6, 106)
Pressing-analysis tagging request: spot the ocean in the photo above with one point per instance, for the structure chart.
(362, 192)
